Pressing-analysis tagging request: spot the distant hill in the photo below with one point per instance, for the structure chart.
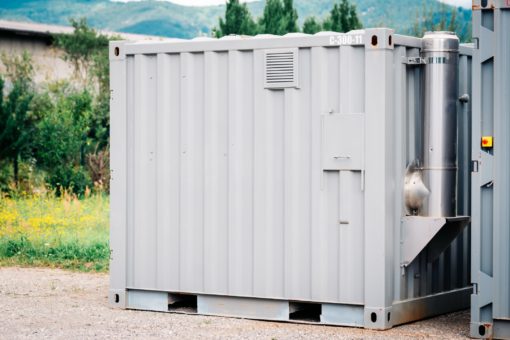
(167, 19)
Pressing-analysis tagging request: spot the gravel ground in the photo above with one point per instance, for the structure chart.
(49, 303)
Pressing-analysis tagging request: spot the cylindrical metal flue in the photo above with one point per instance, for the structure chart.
(441, 54)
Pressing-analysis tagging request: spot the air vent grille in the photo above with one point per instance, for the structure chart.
(281, 68)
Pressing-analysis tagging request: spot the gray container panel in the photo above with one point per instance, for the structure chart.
(236, 190)
(209, 159)
(168, 142)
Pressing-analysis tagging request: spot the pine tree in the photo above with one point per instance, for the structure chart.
(438, 19)
(342, 18)
(238, 20)
(354, 22)
(290, 17)
(311, 26)
(272, 18)
(16, 121)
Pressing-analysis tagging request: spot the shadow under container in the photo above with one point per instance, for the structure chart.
(263, 178)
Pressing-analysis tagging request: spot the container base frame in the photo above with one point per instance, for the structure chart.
(284, 310)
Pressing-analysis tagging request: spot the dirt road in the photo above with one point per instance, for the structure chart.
(56, 304)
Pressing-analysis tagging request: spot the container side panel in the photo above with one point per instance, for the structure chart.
(268, 188)
(400, 97)
(486, 237)
(464, 143)
(412, 284)
(260, 284)
(168, 170)
(240, 173)
(297, 167)
(192, 172)
(380, 180)
(325, 246)
(216, 180)
(332, 99)
(351, 76)
(337, 208)
(318, 236)
(351, 231)
(145, 232)
(461, 272)
(331, 234)
(488, 98)
(118, 179)
(414, 114)
(130, 108)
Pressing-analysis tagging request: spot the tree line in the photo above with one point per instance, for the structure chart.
(280, 17)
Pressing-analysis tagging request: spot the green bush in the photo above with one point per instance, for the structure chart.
(60, 133)
(61, 140)
(75, 179)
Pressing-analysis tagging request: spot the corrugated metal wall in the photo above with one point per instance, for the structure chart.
(226, 193)
(227, 188)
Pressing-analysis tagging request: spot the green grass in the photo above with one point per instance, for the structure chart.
(59, 232)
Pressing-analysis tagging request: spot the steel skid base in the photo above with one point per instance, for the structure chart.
(293, 311)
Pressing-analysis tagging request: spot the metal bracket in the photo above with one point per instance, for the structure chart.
(436, 233)
(413, 61)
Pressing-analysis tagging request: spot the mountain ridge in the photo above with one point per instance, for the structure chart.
(168, 19)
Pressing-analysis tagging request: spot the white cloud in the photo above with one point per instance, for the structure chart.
(192, 2)
(461, 3)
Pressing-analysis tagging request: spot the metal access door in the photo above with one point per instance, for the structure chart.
(490, 303)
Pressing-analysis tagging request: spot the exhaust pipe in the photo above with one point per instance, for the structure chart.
(440, 53)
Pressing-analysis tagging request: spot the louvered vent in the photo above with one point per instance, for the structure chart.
(281, 68)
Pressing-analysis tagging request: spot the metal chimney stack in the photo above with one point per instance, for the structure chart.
(440, 53)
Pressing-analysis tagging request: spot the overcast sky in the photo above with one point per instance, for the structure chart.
(465, 3)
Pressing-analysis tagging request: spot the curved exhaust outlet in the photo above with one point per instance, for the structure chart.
(415, 191)
(440, 53)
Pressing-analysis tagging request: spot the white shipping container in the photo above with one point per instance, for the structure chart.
(264, 176)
